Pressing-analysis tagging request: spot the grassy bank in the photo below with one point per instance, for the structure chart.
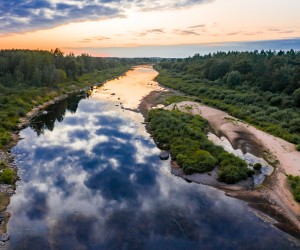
(185, 136)
(253, 107)
(16, 102)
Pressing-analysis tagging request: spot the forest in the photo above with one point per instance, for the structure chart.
(31, 77)
(262, 88)
(44, 68)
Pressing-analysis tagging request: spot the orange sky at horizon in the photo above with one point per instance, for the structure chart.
(213, 22)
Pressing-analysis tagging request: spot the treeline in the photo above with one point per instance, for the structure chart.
(277, 72)
(262, 88)
(44, 68)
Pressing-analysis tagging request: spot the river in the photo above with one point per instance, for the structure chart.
(91, 178)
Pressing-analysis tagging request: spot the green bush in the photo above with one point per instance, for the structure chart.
(295, 185)
(5, 138)
(296, 97)
(185, 136)
(183, 146)
(200, 161)
(7, 176)
(257, 166)
(231, 174)
(233, 169)
(233, 78)
(2, 165)
(176, 98)
(298, 147)
(228, 159)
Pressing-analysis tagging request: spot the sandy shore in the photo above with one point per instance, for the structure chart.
(276, 194)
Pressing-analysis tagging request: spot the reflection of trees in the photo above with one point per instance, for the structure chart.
(72, 102)
(55, 112)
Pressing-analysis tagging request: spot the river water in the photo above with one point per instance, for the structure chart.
(91, 178)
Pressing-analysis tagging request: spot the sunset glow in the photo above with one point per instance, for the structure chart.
(111, 29)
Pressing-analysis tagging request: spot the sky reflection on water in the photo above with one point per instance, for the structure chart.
(94, 182)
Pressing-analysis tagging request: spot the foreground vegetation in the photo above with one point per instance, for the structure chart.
(295, 185)
(185, 136)
(29, 78)
(262, 88)
(6, 174)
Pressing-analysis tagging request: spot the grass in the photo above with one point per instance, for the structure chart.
(7, 176)
(295, 186)
(175, 99)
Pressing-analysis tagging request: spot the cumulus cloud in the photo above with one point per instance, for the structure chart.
(18, 16)
(166, 4)
(21, 16)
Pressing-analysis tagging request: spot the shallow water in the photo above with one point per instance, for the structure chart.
(259, 176)
(91, 178)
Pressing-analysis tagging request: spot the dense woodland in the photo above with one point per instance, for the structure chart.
(29, 78)
(44, 68)
(262, 88)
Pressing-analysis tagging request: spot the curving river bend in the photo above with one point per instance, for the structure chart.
(91, 178)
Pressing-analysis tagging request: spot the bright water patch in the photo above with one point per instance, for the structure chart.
(259, 176)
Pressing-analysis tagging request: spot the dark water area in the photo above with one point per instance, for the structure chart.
(56, 112)
(91, 178)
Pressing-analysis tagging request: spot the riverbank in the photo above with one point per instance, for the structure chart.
(274, 197)
(89, 168)
(148, 98)
(6, 190)
(121, 91)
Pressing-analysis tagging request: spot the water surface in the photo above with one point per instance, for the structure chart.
(91, 178)
(259, 176)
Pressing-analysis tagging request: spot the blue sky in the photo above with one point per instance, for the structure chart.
(20, 16)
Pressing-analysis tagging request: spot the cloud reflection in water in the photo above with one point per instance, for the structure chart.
(93, 182)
